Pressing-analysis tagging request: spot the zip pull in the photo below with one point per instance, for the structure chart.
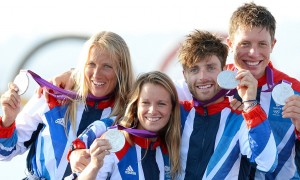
(205, 111)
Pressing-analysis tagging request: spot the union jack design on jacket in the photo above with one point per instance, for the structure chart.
(214, 139)
(40, 128)
(282, 128)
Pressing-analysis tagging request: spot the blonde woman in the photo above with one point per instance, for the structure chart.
(46, 127)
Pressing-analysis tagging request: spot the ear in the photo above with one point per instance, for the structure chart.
(184, 74)
(229, 42)
(273, 44)
(224, 68)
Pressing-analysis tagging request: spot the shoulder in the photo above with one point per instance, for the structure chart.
(36, 105)
(279, 75)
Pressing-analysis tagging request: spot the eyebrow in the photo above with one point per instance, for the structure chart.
(211, 64)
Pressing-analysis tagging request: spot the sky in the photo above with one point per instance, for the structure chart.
(152, 30)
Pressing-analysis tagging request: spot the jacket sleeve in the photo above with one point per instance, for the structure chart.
(16, 139)
(259, 143)
(95, 130)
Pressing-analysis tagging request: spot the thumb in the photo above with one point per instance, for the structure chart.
(86, 153)
(69, 85)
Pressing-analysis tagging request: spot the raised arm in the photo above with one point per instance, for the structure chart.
(17, 128)
(257, 140)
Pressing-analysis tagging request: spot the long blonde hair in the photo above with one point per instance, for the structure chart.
(118, 50)
(171, 132)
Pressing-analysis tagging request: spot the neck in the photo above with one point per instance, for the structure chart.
(215, 102)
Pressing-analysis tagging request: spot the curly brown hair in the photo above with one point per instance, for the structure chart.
(199, 45)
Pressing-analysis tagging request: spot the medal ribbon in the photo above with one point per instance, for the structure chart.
(222, 92)
(136, 132)
(59, 92)
(270, 80)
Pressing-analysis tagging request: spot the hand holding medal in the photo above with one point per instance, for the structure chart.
(11, 101)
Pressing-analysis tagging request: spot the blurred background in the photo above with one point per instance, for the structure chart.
(46, 37)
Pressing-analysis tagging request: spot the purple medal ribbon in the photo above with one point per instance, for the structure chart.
(222, 92)
(136, 132)
(59, 92)
(270, 80)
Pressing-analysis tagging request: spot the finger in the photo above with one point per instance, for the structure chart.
(86, 153)
(69, 85)
(235, 104)
(79, 159)
(85, 161)
(12, 86)
(79, 167)
(46, 94)
(294, 97)
(57, 83)
(84, 157)
(39, 92)
(241, 74)
(241, 107)
(12, 99)
(293, 101)
(99, 146)
(291, 112)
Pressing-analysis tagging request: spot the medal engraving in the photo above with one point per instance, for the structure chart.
(226, 80)
(116, 139)
(281, 92)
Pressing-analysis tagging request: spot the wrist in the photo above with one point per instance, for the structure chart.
(77, 144)
(6, 122)
(7, 132)
(249, 104)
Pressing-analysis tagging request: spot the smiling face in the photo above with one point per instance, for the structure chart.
(153, 107)
(202, 78)
(99, 72)
(252, 49)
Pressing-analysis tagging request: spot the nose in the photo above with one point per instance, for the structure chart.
(253, 51)
(97, 71)
(202, 75)
(152, 109)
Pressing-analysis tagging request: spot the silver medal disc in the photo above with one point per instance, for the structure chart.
(281, 92)
(22, 81)
(116, 139)
(226, 80)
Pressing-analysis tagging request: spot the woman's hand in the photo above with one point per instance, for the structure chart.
(11, 105)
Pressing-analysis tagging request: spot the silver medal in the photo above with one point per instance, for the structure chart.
(116, 139)
(226, 80)
(281, 92)
(22, 81)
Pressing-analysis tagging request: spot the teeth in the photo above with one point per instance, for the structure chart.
(252, 63)
(98, 83)
(204, 86)
(153, 119)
